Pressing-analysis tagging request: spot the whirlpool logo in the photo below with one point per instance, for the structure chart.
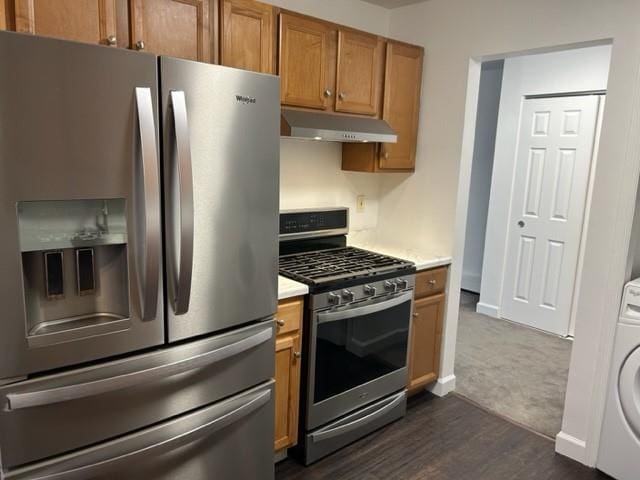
(245, 99)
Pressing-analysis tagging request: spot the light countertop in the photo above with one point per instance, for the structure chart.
(288, 288)
(423, 260)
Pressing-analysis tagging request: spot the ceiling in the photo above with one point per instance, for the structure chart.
(394, 3)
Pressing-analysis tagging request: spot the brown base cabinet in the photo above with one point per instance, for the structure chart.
(426, 328)
(287, 372)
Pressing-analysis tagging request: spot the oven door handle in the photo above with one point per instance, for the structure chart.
(388, 302)
(350, 426)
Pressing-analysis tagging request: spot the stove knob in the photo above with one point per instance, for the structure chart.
(369, 290)
(402, 283)
(333, 299)
(390, 286)
(348, 295)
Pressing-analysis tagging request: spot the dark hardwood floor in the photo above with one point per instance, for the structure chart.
(444, 438)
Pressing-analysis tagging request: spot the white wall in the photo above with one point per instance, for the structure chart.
(352, 13)
(578, 70)
(427, 210)
(483, 148)
(310, 176)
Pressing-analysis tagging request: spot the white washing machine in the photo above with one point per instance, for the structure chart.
(619, 454)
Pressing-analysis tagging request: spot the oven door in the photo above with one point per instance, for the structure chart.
(358, 354)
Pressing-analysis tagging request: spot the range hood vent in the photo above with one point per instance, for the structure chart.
(334, 128)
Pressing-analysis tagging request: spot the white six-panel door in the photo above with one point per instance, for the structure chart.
(553, 159)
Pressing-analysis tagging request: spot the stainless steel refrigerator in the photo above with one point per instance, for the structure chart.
(138, 261)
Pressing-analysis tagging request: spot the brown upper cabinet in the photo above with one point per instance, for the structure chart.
(247, 35)
(177, 28)
(3, 16)
(401, 107)
(402, 82)
(359, 73)
(91, 21)
(307, 53)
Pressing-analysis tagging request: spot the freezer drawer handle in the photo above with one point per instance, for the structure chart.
(148, 272)
(161, 439)
(348, 427)
(17, 401)
(368, 309)
(182, 245)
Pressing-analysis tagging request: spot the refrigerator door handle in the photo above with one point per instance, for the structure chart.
(147, 269)
(17, 401)
(146, 444)
(182, 158)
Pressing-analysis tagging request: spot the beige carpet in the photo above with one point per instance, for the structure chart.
(512, 370)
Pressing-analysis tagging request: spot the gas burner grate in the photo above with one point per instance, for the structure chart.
(337, 264)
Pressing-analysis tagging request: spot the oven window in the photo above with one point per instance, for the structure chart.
(354, 351)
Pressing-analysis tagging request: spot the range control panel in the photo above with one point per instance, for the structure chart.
(299, 222)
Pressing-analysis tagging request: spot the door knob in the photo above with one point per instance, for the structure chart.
(111, 40)
(140, 45)
(521, 224)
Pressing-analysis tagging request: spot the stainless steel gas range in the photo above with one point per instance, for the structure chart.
(355, 333)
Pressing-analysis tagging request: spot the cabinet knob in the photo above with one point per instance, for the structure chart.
(297, 354)
(111, 40)
(328, 93)
(386, 155)
(431, 282)
(280, 322)
(140, 45)
(342, 96)
(416, 315)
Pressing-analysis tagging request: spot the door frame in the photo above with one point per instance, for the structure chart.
(601, 94)
(600, 298)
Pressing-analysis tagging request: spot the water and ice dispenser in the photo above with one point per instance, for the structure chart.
(74, 264)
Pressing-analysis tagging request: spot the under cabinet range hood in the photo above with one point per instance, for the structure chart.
(334, 128)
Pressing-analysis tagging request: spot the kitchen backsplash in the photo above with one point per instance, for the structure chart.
(311, 176)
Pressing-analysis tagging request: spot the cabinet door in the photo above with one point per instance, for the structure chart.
(91, 21)
(287, 378)
(3, 15)
(248, 35)
(426, 336)
(403, 78)
(176, 28)
(305, 58)
(359, 74)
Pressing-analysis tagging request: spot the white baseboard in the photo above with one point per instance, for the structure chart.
(486, 309)
(443, 386)
(571, 447)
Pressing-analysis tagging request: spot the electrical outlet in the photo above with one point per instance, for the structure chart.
(361, 203)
